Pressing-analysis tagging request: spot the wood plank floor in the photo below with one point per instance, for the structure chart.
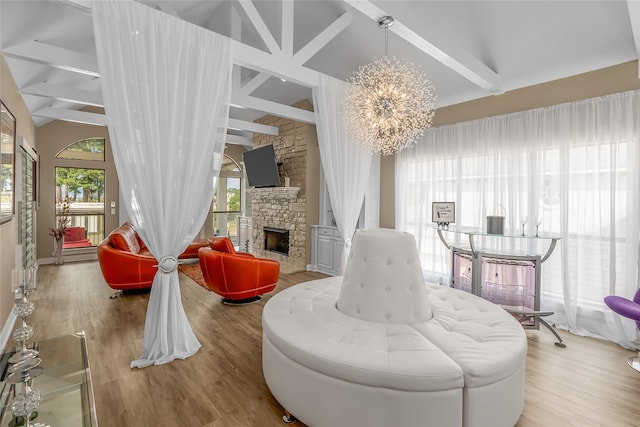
(586, 384)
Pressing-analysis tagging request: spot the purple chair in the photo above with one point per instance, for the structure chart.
(629, 309)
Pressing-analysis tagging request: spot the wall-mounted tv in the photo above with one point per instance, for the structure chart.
(261, 167)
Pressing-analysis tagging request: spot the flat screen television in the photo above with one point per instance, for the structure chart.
(261, 167)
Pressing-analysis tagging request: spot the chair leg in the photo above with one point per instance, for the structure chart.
(634, 362)
(288, 418)
(558, 343)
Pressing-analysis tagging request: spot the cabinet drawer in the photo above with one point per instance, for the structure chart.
(325, 232)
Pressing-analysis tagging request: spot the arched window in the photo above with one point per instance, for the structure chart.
(227, 198)
(79, 194)
(85, 149)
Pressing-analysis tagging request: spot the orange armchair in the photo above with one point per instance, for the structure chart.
(126, 263)
(238, 277)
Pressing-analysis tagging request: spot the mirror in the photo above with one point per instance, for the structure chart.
(7, 163)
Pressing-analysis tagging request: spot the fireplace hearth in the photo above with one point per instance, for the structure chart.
(276, 240)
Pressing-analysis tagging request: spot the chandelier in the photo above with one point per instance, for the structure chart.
(389, 102)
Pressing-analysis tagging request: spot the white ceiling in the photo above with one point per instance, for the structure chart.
(483, 47)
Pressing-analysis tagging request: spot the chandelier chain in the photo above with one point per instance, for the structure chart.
(386, 41)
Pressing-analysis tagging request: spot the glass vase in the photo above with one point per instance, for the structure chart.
(58, 259)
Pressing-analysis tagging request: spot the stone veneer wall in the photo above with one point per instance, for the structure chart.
(279, 207)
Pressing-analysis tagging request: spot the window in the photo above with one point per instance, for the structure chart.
(226, 200)
(575, 166)
(80, 194)
(85, 149)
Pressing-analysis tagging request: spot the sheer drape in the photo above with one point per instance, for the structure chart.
(345, 163)
(574, 165)
(166, 87)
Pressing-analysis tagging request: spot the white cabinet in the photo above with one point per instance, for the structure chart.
(326, 248)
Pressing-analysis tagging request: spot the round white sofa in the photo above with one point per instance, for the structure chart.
(379, 347)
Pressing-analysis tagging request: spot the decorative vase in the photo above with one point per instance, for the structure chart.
(58, 259)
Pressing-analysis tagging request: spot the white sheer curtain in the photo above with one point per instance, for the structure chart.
(345, 163)
(574, 165)
(166, 87)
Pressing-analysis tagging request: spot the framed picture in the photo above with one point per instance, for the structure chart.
(7, 163)
(443, 212)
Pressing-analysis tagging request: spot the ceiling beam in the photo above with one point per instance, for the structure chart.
(237, 124)
(634, 15)
(260, 26)
(287, 28)
(57, 57)
(236, 34)
(452, 57)
(82, 5)
(63, 93)
(254, 83)
(167, 8)
(274, 108)
(239, 140)
(74, 116)
(322, 39)
(243, 55)
(277, 66)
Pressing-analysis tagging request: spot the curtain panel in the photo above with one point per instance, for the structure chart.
(345, 163)
(572, 167)
(166, 88)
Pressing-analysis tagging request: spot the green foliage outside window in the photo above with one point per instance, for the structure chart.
(85, 185)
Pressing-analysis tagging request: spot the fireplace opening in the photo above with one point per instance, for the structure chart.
(276, 240)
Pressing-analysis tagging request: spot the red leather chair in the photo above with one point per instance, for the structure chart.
(126, 263)
(238, 277)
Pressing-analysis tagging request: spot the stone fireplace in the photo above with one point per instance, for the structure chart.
(287, 208)
(280, 208)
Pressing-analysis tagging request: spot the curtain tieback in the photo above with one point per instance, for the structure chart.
(347, 244)
(168, 264)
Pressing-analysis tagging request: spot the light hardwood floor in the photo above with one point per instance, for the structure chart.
(586, 384)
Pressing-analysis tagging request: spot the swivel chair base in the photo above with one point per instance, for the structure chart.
(244, 301)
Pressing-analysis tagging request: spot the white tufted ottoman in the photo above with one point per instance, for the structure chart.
(379, 347)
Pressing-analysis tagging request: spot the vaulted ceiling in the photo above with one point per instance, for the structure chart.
(470, 49)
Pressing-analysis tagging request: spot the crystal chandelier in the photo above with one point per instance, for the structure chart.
(389, 102)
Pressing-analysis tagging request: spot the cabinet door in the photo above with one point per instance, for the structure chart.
(325, 252)
(337, 251)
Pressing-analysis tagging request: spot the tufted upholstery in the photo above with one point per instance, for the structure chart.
(384, 285)
(332, 356)
(315, 334)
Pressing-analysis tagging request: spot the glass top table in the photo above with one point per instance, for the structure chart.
(65, 384)
(479, 241)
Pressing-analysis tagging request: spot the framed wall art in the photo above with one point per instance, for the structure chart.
(7, 163)
(443, 213)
